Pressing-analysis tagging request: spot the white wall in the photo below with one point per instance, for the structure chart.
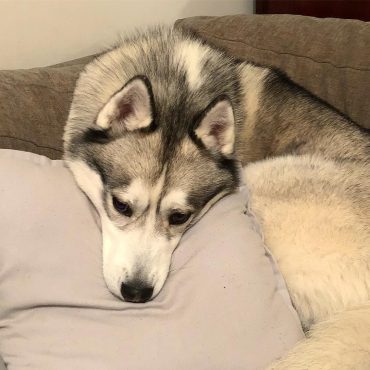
(42, 32)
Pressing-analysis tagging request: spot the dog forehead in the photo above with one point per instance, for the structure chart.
(132, 157)
(156, 176)
(188, 166)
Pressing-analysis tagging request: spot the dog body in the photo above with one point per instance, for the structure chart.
(310, 189)
(156, 132)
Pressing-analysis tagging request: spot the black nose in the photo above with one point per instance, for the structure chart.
(136, 292)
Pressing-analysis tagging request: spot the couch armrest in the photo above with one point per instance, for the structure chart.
(34, 106)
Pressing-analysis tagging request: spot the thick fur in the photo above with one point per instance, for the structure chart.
(310, 189)
(160, 152)
(307, 167)
(341, 342)
(314, 214)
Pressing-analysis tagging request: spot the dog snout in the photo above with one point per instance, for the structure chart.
(136, 292)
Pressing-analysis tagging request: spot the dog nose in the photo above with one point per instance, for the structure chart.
(136, 292)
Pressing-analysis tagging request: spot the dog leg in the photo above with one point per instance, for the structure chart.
(341, 343)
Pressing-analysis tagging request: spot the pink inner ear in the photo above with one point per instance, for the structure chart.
(216, 130)
(125, 108)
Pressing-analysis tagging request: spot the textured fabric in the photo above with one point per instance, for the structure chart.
(329, 57)
(34, 106)
(222, 307)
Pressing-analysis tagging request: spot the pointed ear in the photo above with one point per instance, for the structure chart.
(129, 109)
(216, 129)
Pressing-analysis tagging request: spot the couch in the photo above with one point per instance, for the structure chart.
(330, 57)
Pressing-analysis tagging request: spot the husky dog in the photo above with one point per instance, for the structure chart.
(158, 128)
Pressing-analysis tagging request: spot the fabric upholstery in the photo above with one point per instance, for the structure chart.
(34, 105)
(224, 305)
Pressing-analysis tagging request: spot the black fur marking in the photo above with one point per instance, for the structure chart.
(230, 165)
(300, 90)
(149, 129)
(97, 136)
(99, 169)
(198, 199)
(196, 140)
(150, 92)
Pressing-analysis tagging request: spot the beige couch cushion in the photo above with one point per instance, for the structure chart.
(329, 57)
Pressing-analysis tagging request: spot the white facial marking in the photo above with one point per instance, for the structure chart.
(136, 193)
(126, 251)
(89, 181)
(174, 199)
(137, 252)
(191, 55)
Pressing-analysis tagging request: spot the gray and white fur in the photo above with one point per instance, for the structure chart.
(158, 128)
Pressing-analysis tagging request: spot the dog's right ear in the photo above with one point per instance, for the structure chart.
(129, 109)
(216, 127)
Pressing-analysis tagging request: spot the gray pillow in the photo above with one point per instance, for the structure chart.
(224, 305)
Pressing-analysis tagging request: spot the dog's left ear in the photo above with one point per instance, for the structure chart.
(216, 129)
(129, 109)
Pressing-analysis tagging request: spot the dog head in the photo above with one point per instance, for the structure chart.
(150, 140)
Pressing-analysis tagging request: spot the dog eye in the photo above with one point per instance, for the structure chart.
(178, 218)
(122, 207)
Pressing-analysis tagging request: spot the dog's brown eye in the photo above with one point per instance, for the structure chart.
(122, 207)
(178, 218)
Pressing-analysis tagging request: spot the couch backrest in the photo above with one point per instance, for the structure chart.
(330, 57)
(34, 105)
